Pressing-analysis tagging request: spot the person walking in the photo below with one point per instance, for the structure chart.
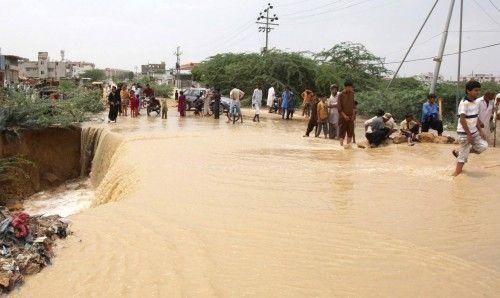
(313, 120)
(181, 104)
(176, 95)
(206, 101)
(470, 136)
(306, 102)
(124, 100)
(333, 112)
(114, 105)
(216, 96)
(138, 94)
(236, 95)
(286, 97)
(486, 106)
(257, 102)
(271, 95)
(322, 111)
(347, 115)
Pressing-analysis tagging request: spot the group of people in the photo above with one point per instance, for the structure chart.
(121, 98)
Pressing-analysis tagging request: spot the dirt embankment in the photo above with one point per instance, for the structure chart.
(55, 153)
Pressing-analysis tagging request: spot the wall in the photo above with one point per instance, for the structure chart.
(54, 151)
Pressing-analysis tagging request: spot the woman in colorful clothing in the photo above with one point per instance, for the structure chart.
(124, 96)
(134, 105)
(181, 107)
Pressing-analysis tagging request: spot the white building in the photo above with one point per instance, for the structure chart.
(427, 77)
(482, 77)
(77, 69)
(43, 68)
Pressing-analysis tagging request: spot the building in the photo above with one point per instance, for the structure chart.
(150, 69)
(183, 78)
(427, 78)
(9, 69)
(116, 73)
(77, 69)
(482, 77)
(43, 68)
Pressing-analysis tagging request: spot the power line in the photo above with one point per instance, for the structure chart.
(312, 9)
(328, 12)
(494, 5)
(486, 13)
(449, 54)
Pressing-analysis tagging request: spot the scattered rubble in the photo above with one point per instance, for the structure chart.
(26, 245)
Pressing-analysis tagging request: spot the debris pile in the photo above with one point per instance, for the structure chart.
(26, 245)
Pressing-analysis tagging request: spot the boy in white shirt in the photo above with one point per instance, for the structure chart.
(470, 136)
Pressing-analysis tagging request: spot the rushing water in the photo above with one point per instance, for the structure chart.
(197, 208)
(68, 199)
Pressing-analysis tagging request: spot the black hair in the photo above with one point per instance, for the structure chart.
(348, 83)
(472, 85)
(182, 92)
(432, 95)
(408, 115)
(380, 113)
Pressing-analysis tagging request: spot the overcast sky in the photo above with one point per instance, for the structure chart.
(126, 33)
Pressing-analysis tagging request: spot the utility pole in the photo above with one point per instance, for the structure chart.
(177, 66)
(439, 57)
(268, 21)
(459, 71)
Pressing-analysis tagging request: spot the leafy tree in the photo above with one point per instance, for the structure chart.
(94, 74)
(353, 61)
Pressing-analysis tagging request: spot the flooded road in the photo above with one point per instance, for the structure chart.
(197, 208)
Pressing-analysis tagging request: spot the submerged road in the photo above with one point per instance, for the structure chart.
(197, 208)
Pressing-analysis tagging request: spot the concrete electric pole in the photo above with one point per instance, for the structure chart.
(177, 66)
(439, 57)
(268, 21)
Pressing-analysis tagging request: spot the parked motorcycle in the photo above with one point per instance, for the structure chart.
(152, 105)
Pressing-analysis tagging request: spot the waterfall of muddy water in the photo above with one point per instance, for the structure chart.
(200, 208)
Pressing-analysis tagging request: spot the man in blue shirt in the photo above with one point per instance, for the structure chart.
(430, 115)
(286, 102)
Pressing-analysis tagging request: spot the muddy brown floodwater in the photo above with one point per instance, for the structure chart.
(197, 208)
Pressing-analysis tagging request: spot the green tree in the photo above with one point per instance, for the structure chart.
(94, 75)
(353, 61)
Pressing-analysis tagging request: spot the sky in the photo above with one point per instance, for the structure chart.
(127, 33)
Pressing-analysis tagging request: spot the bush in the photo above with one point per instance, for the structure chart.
(20, 109)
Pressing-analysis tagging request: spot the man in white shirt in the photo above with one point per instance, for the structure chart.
(236, 95)
(257, 102)
(333, 112)
(486, 107)
(271, 94)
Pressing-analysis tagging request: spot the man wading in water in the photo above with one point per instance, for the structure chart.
(346, 112)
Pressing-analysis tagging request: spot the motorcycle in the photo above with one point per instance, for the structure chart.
(274, 108)
(152, 105)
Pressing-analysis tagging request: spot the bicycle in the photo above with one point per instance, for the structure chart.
(235, 113)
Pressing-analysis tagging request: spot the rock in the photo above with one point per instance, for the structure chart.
(426, 137)
(441, 140)
(399, 139)
(51, 178)
(15, 206)
(32, 268)
(5, 279)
